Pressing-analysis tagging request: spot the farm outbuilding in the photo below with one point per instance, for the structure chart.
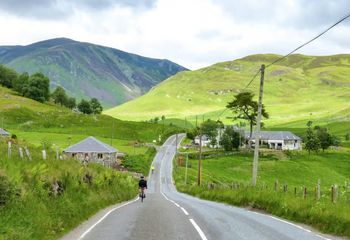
(92, 150)
(4, 133)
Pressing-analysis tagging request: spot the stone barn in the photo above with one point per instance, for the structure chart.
(92, 150)
(4, 133)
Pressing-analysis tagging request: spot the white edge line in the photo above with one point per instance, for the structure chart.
(184, 210)
(199, 230)
(101, 219)
(177, 205)
(292, 224)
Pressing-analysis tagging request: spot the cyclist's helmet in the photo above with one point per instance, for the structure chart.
(142, 177)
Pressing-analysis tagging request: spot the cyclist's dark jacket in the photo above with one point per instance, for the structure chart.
(143, 183)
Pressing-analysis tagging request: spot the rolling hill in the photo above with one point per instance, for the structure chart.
(89, 70)
(35, 123)
(297, 89)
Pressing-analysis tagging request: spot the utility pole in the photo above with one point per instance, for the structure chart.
(200, 158)
(176, 144)
(258, 125)
(196, 121)
(112, 136)
(186, 168)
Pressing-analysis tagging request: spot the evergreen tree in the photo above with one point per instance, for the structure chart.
(312, 143)
(84, 107)
(244, 107)
(38, 88)
(71, 103)
(96, 106)
(59, 96)
(20, 84)
(7, 76)
(230, 139)
(324, 137)
(210, 128)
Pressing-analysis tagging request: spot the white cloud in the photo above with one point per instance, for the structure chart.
(194, 33)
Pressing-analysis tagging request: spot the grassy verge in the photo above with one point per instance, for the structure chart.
(141, 162)
(226, 179)
(45, 199)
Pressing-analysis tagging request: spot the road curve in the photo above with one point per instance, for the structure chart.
(168, 214)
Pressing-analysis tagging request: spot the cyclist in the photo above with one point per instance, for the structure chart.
(152, 169)
(142, 186)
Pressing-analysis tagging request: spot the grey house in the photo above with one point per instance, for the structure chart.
(92, 150)
(4, 133)
(282, 140)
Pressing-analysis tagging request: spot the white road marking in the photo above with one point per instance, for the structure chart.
(289, 223)
(184, 210)
(101, 219)
(199, 230)
(322, 237)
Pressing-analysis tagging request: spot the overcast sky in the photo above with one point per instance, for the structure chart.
(193, 33)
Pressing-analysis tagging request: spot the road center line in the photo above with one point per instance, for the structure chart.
(199, 230)
(184, 210)
(101, 219)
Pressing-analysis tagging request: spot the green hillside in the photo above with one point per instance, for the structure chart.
(89, 70)
(35, 123)
(297, 89)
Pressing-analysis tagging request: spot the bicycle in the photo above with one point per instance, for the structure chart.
(142, 194)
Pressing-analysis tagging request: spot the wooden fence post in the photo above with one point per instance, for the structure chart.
(9, 149)
(20, 150)
(44, 154)
(334, 193)
(305, 192)
(285, 187)
(295, 191)
(28, 153)
(276, 185)
(318, 197)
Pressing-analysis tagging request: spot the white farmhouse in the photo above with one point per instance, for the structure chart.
(205, 141)
(281, 140)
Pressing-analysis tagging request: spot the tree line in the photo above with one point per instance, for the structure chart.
(319, 138)
(37, 87)
(245, 108)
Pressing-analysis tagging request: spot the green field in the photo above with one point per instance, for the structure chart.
(228, 178)
(35, 123)
(298, 89)
(30, 208)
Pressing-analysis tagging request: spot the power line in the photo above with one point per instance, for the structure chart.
(296, 49)
(283, 57)
(222, 113)
(256, 74)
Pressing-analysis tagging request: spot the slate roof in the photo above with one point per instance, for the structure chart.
(274, 135)
(4, 133)
(90, 145)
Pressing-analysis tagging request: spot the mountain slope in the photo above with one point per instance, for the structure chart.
(85, 69)
(297, 89)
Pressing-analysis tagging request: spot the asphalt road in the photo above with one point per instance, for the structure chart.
(168, 214)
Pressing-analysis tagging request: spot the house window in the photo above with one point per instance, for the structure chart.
(100, 156)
